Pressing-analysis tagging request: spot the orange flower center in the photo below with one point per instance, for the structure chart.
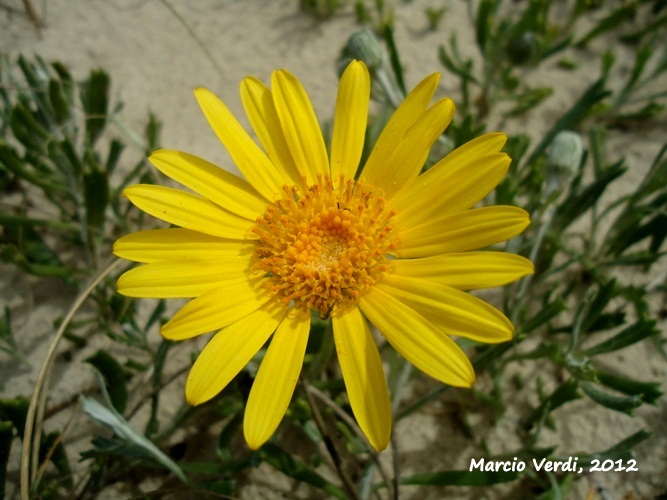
(322, 249)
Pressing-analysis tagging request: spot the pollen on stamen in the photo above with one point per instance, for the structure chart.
(323, 247)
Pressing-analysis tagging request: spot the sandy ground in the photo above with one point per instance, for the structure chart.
(155, 64)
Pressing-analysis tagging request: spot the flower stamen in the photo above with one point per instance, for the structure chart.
(321, 249)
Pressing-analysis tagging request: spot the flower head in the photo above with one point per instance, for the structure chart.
(301, 235)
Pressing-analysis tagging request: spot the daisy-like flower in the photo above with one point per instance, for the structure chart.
(302, 234)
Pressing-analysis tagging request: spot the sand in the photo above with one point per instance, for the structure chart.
(155, 64)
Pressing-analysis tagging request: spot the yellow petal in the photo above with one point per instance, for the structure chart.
(189, 211)
(463, 231)
(247, 156)
(211, 182)
(258, 103)
(364, 377)
(216, 309)
(449, 188)
(451, 311)
(300, 126)
(416, 339)
(349, 130)
(276, 379)
(405, 116)
(189, 278)
(466, 271)
(155, 245)
(483, 145)
(411, 152)
(229, 351)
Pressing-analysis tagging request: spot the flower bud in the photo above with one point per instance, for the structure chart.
(364, 46)
(564, 158)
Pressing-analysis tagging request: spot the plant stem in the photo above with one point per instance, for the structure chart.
(37, 402)
(331, 448)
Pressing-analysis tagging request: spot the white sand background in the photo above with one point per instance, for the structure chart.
(155, 64)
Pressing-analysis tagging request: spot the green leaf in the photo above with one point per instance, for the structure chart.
(66, 79)
(617, 403)
(461, 478)
(579, 202)
(632, 334)
(15, 411)
(621, 450)
(110, 418)
(612, 20)
(114, 377)
(530, 99)
(644, 30)
(64, 158)
(567, 392)
(153, 130)
(27, 129)
(115, 151)
(462, 70)
(593, 309)
(62, 110)
(95, 101)
(650, 391)
(226, 435)
(484, 23)
(591, 96)
(96, 195)
(52, 445)
(6, 438)
(291, 467)
(394, 58)
(548, 312)
(7, 337)
(641, 258)
(10, 160)
(38, 82)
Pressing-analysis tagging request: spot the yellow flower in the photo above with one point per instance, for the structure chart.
(301, 235)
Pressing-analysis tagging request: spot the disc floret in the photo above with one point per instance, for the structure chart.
(323, 247)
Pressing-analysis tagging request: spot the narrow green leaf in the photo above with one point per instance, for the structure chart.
(460, 70)
(10, 160)
(566, 392)
(605, 293)
(632, 334)
(51, 444)
(115, 151)
(484, 23)
(27, 129)
(617, 403)
(591, 96)
(226, 435)
(153, 130)
(621, 450)
(394, 58)
(291, 467)
(62, 111)
(38, 82)
(645, 29)
(548, 312)
(530, 99)
(95, 101)
(67, 81)
(6, 438)
(650, 391)
(613, 19)
(115, 421)
(96, 195)
(114, 377)
(579, 202)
